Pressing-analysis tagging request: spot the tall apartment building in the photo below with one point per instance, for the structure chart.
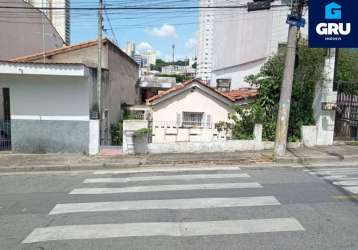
(60, 18)
(130, 49)
(205, 49)
(235, 43)
(151, 57)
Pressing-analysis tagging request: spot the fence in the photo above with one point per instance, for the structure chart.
(347, 117)
(5, 135)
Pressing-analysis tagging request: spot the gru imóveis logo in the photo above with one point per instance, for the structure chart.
(333, 11)
(331, 24)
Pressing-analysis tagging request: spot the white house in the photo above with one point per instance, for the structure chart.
(188, 112)
(49, 108)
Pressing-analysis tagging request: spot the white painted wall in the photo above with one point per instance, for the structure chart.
(129, 128)
(242, 38)
(93, 137)
(164, 115)
(325, 120)
(238, 73)
(233, 40)
(47, 95)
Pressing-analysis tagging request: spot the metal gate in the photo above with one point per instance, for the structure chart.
(346, 117)
(5, 135)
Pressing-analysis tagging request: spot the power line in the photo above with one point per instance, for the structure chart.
(136, 8)
(111, 27)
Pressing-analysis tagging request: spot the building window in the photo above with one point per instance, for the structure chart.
(193, 119)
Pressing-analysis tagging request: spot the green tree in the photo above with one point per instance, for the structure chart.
(308, 73)
(347, 71)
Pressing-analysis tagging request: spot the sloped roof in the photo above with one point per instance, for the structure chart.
(182, 86)
(65, 49)
(240, 94)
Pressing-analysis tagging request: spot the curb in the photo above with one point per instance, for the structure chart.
(309, 162)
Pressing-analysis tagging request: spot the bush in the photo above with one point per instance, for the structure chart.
(142, 132)
(117, 133)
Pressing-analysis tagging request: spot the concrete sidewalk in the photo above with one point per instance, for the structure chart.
(313, 155)
(46, 162)
(23, 162)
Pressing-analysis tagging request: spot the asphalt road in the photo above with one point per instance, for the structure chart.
(247, 208)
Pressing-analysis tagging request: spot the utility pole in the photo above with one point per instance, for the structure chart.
(295, 21)
(173, 47)
(43, 13)
(99, 62)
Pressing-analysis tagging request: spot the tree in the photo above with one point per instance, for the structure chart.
(308, 73)
(347, 71)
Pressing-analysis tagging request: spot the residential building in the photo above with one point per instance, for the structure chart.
(140, 60)
(48, 107)
(26, 31)
(152, 85)
(130, 49)
(178, 70)
(151, 57)
(120, 69)
(205, 48)
(235, 43)
(188, 112)
(60, 18)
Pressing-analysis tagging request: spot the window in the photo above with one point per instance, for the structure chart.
(193, 119)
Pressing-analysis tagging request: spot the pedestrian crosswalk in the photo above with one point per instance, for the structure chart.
(346, 178)
(118, 182)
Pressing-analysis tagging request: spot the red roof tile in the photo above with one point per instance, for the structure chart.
(240, 94)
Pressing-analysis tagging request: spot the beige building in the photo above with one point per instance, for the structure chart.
(188, 113)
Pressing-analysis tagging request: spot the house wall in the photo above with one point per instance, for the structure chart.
(49, 114)
(325, 119)
(238, 73)
(21, 32)
(87, 56)
(124, 76)
(165, 125)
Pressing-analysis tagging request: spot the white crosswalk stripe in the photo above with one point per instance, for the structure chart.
(165, 177)
(165, 204)
(347, 178)
(352, 189)
(151, 184)
(346, 183)
(177, 229)
(161, 188)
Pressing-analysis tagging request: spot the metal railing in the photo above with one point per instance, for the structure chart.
(5, 135)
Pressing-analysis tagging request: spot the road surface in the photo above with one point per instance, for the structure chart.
(189, 208)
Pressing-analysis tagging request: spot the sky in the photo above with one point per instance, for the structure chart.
(149, 29)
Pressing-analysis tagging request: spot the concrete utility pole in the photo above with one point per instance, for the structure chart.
(99, 63)
(173, 47)
(287, 82)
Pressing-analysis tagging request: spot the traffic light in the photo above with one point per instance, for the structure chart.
(259, 5)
